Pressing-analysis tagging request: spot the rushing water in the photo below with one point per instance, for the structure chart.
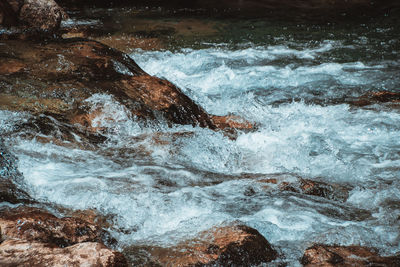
(159, 185)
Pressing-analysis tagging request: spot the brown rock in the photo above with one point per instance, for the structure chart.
(161, 95)
(377, 97)
(236, 245)
(43, 15)
(323, 255)
(10, 67)
(232, 122)
(46, 129)
(34, 224)
(330, 191)
(25, 253)
(56, 77)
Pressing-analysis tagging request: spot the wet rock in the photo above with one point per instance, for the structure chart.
(47, 129)
(10, 193)
(232, 122)
(11, 67)
(329, 191)
(377, 97)
(36, 15)
(34, 224)
(323, 255)
(25, 253)
(8, 168)
(9, 175)
(236, 245)
(57, 77)
(163, 96)
(43, 15)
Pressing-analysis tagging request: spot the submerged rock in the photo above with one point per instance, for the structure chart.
(236, 245)
(323, 255)
(25, 253)
(377, 97)
(329, 191)
(34, 224)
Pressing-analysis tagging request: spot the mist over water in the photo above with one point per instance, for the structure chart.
(160, 185)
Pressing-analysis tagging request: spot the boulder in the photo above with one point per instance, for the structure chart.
(36, 15)
(323, 255)
(56, 77)
(26, 253)
(235, 245)
(34, 224)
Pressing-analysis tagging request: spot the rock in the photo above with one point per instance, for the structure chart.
(36, 15)
(34, 237)
(323, 255)
(163, 96)
(377, 97)
(56, 77)
(8, 14)
(232, 122)
(25, 253)
(46, 129)
(236, 245)
(8, 168)
(34, 224)
(11, 67)
(329, 191)
(9, 176)
(10, 193)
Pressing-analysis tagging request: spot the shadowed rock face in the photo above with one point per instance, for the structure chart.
(236, 245)
(322, 255)
(25, 253)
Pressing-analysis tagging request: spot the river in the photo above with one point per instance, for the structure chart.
(159, 184)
